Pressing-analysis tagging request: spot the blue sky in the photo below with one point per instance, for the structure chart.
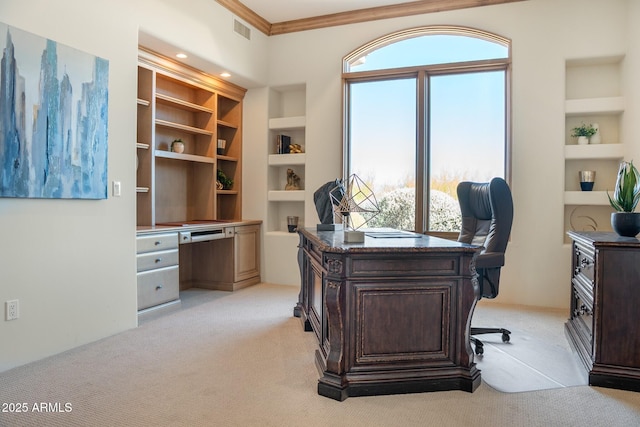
(465, 134)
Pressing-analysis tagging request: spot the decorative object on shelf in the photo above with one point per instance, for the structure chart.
(356, 207)
(595, 138)
(293, 180)
(292, 224)
(283, 142)
(223, 180)
(587, 179)
(177, 146)
(583, 132)
(579, 220)
(626, 195)
(222, 146)
(295, 148)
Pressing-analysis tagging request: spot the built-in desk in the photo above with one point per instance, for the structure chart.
(220, 255)
(391, 315)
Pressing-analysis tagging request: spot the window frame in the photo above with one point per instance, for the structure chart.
(422, 73)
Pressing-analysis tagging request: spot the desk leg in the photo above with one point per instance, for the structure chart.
(332, 384)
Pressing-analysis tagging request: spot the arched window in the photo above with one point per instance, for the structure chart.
(426, 108)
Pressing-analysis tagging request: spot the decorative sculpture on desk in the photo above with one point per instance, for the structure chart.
(293, 180)
(356, 207)
(323, 197)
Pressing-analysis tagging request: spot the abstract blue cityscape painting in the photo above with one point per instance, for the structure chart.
(53, 119)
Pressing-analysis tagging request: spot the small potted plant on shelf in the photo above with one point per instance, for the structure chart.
(584, 132)
(626, 195)
(223, 181)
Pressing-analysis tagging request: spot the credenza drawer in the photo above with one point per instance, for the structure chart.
(158, 259)
(158, 286)
(157, 242)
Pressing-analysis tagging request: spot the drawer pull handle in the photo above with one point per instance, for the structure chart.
(157, 242)
(158, 260)
(584, 263)
(158, 287)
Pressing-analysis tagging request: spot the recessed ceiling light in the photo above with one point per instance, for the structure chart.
(225, 74)
(181, 55)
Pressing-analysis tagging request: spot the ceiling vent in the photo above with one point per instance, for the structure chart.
(241, 29)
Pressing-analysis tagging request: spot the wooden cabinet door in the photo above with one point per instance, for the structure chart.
(247, 252)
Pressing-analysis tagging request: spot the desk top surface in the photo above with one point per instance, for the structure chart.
(385, 240)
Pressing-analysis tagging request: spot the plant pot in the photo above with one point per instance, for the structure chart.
(177, 147)
(626, 224)
(583, 140)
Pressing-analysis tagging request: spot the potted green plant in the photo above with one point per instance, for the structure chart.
(583, 133)
(225, 182)
(625, 221)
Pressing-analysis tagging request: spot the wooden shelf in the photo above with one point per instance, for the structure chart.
(185, 157)
(143, 102)
(184, 105)
(226, 192)
(185, 128)
(227, 124)
(227, 158)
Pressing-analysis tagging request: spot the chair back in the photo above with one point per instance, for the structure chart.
(487, 216)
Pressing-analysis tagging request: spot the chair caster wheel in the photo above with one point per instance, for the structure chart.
(479, 349)
(506, 337)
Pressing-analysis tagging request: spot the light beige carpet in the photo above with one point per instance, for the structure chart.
(241, 359)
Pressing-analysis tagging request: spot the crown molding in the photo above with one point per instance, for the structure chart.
(352, 17)
(247, 14)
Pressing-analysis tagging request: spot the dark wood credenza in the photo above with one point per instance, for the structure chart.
(604, 320)
(391, 315)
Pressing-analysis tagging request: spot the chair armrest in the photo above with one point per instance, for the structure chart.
(490, 260)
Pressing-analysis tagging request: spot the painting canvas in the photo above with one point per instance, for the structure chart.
(53, 119)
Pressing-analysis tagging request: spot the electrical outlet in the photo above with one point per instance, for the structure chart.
(11, 310)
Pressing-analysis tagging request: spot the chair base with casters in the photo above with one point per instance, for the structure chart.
(479, 346)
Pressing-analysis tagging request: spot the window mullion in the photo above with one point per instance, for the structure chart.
(422, 187)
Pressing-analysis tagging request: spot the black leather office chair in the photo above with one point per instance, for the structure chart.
(487, 215)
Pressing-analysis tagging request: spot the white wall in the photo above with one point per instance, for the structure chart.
(71, 263)
(544, 33)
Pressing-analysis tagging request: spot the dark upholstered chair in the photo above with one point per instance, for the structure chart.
(487, 214)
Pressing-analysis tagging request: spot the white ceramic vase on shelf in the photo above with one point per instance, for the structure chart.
(583, 140)
(595, 138)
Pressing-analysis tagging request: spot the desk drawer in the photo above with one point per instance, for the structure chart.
(159, 259)
(158, 286)
(584, 261)
(157, 242)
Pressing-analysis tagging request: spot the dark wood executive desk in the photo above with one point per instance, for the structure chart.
(392, 315)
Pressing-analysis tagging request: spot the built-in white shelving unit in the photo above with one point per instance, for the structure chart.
(593, 95)
(287, 116)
